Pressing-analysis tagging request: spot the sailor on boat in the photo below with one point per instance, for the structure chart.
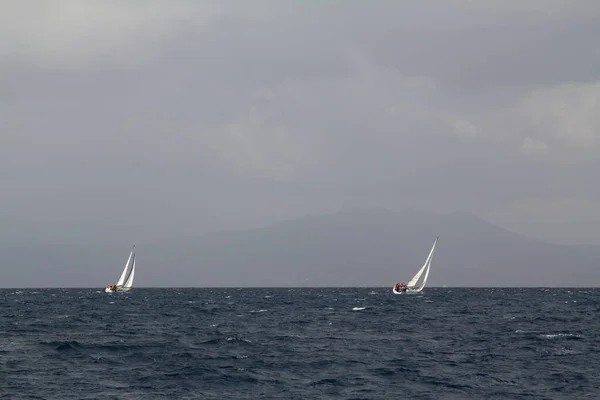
(401, 287)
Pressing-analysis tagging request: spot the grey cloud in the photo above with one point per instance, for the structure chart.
(235, 118)
(479, 44)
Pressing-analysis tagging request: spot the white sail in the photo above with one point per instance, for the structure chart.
(415, 278)
(129, 282)
(123, 276)
(427, 266)
(428, 269)
(411, 286)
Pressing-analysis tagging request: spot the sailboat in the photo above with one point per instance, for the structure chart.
(125, 282)
(412, 287)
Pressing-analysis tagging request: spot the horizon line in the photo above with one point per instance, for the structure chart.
(302, 287)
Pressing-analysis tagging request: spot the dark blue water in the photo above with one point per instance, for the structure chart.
(300, 344)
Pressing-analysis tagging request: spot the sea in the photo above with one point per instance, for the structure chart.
(300, 343)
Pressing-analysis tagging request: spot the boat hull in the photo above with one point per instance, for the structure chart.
(408, 291)
(119, 289)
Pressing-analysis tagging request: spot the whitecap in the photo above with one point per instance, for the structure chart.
(560, 335)
(565, 352)
(229, 339)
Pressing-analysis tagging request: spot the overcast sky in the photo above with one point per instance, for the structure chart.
(139, 119)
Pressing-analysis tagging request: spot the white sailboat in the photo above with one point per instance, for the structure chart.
(125, 282)
(412, 287)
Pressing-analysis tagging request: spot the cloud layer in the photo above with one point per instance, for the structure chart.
(151, 118)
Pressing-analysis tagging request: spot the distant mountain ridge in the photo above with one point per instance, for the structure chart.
(377, 247)
(358, 247)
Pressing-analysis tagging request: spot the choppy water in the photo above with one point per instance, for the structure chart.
(342, 343)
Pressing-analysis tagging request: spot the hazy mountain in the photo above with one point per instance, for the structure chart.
(366, 247)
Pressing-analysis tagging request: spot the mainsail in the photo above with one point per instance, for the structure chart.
(129, 282)
(413, 282)
(126, 278)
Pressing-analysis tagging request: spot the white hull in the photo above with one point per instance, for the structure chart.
(408, 291)
(120, 289)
